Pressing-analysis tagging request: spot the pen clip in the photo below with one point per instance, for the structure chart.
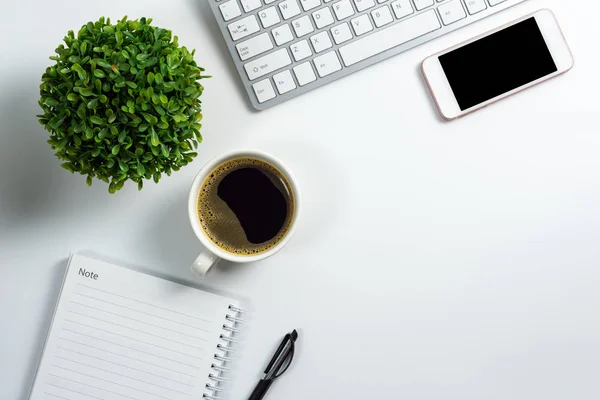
(289, 358)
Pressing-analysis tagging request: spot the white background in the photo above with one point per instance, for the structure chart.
(433, 260)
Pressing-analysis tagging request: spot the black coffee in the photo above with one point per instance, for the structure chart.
(245, 206)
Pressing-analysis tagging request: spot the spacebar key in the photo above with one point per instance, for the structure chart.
(388, 38)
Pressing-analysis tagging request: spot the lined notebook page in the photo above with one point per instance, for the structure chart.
(121, 334)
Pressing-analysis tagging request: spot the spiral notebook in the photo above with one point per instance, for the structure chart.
(122, 334)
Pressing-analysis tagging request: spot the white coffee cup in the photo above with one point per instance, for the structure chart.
(212, 253)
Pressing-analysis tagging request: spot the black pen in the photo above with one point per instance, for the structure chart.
(273, 370)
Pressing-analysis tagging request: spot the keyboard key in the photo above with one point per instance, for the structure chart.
(289, 8)
(303, 26)
(304, 74)
(284, 82)
(269, 17)
(343, 9)
(327, 64)
(263, 90)
(402, 8)
(230, 10)
(282, 34)
(390, 37)
(452, 11)
(323, 17)
(267, 64)
(362, 5)
(244, 27)
(475, 6)
(496, 2)
(341, 33)
(382, 16)
(361, 24)
(249, 5)
(310, 4)
(301, 50)
(422, 4)
(321, 41)
(255, 46)
(269, 1)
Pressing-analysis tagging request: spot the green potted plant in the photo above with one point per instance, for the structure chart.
(122, 102)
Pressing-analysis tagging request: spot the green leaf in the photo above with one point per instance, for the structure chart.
(80, 72)
(99, 73)
(115, 149)
(103, 64)
(150, 62)
(72, 97)
(154, 139)
(158, 78)
(150, 78)
(131, 84)
(50, 102)
(123, 165)
(81, 111)
(122, 136)
(156, 177)
(165, 150)
(160, 110)
(164, 99)
(119, 37)
(140, 169)
(56, 122)
(140, 185)
(88, 180)
(113, 130)
(92, 103)
(97, 120)
(152, 120)
(112, 188)
(85, 92)
(180, 117)
(68, 166)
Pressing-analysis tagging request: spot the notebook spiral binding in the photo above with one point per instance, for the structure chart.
(222, 356)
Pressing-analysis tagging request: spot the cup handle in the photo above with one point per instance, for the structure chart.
(205, 261)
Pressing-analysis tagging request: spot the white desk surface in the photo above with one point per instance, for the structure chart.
(434, 260)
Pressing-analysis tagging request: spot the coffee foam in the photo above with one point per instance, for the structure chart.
(221, 224)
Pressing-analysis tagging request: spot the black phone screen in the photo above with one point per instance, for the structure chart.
(498, 63)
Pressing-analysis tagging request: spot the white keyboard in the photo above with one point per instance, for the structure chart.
(283, 48)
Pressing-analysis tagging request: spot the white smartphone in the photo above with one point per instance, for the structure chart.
(495, 65)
